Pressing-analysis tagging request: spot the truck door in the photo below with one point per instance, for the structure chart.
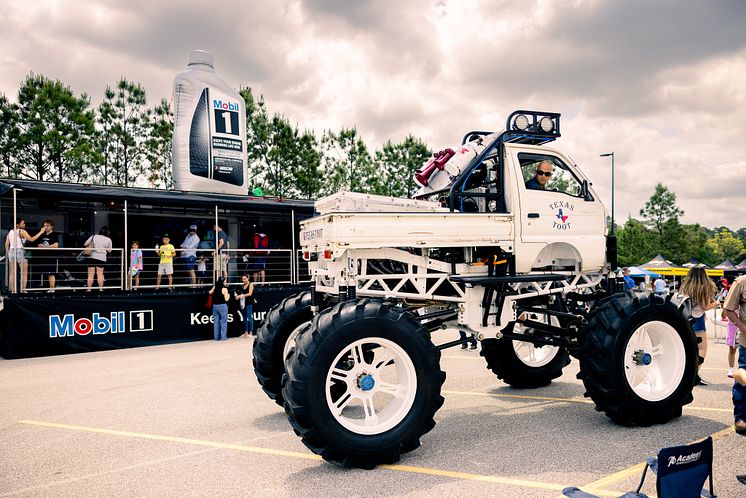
(560, 212)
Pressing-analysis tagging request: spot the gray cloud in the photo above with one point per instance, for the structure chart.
(660, 83)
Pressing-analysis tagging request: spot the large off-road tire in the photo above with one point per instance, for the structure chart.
(363, 384)
(638, 359)
(275, 337)
(521, 364)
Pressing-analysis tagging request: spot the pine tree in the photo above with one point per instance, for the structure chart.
(9, 131)
(158, 145)
(346, 163)
(307, 173)
(660, 208)
(128, 130)
(55, 130)
(397, 163)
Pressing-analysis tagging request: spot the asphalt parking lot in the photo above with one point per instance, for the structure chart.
(190, 420)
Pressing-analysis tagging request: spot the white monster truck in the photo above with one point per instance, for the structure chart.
(524, 270)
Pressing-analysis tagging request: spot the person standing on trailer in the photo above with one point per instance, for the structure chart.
(48, 260)
(223, 246)
(135, 263)
(16, 256)
(100, 245)
(166, 265)
(259, 264)
(190, 244)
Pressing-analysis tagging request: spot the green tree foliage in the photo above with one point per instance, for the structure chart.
(158, 145)
(696, 243)
(55, 131)
(635, 242)
(396, 164)
(725, 246)
(307, 175)
(282, 157)
(128, 124)
(660, 208)
(347, 164)
(639, 241)
(105, 142)
(258, 132)
(9, 131)
(741, 234)
(681, 243)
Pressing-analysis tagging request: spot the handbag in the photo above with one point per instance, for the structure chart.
(208, 304)
(87, 251)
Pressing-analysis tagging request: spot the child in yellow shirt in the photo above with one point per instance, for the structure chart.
(166, 266)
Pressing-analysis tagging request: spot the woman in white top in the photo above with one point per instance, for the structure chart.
(14, 249)
(101, 245)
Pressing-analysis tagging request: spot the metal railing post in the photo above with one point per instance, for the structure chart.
(293, 256)
(125, 253)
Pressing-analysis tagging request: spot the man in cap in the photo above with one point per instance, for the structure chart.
(166, 266)
(190, 244)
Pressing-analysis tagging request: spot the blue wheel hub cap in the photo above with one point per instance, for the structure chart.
(642, 358)
(366, 382)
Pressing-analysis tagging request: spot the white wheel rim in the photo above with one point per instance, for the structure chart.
(654, 361)
(530, 354)
(290, 343)
(377, 391)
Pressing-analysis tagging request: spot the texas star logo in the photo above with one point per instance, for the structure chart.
(562, 216)
(562, 210)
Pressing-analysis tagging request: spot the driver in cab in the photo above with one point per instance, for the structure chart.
(542, 176)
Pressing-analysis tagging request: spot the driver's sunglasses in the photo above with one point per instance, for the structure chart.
(545, 173)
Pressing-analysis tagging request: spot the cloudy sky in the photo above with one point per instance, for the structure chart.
(662, 83)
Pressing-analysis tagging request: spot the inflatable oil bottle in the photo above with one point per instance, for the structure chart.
(209, 140)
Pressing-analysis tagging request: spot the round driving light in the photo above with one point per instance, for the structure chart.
(546, 124)
(521, 122)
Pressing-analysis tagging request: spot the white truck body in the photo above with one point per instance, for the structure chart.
(363, 221)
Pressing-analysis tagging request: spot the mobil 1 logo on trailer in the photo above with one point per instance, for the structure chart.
(226, 138)
(116, 322)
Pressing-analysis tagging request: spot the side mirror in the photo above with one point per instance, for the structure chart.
(585, 192)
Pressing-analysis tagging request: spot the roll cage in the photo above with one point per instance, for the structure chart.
(527, 131)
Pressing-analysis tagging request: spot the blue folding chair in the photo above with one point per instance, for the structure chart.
(681, 470)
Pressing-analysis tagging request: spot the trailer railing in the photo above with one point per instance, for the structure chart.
(195, 268)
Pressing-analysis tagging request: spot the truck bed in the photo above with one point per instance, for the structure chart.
(340, 231)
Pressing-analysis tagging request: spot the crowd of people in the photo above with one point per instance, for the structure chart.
(706, 295)
(195, 259)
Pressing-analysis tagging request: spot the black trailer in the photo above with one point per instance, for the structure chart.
(75, 317)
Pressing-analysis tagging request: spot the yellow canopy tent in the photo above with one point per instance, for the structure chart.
(664, 267)
(676, 271)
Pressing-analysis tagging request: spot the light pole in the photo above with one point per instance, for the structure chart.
(612, 189)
